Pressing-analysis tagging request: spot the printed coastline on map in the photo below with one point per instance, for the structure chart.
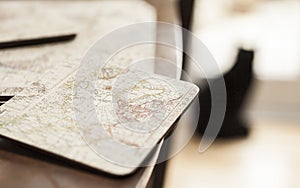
(41, 113)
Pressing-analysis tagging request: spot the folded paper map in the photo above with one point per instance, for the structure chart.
(134, 109)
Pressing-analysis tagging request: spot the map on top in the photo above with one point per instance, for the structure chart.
(130, 110)
(137, 114)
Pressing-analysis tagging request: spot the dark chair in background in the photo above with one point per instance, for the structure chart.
(238, 81)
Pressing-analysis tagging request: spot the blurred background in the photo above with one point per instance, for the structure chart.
(269, 156)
